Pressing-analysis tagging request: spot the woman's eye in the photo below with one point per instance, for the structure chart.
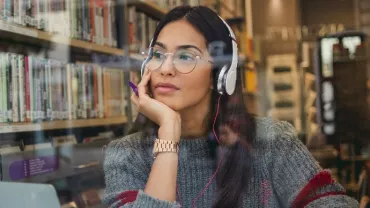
(157, 55)
(186, 57)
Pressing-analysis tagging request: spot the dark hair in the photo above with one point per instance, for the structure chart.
(232, 178)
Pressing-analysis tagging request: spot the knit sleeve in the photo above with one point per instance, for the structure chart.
(126, 173)
(298, 179)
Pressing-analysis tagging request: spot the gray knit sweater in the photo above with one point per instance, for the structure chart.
(282, 167)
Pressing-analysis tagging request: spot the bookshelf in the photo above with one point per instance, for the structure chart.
(9, 30)
(60, 124)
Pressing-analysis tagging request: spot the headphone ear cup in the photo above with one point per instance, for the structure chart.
(221, 77)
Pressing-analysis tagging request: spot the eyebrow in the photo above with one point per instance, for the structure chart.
(179, 47)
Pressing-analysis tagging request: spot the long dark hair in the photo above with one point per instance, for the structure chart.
(232, 178)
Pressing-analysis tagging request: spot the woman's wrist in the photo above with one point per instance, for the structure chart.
(170, 131)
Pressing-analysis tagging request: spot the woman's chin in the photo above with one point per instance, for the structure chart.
(170, 102)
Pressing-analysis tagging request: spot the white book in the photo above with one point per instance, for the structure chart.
(16, 16)
(46, 9)
(74, 91)
(69, 18)
(100, 28)
(15, 83)
(84, 99)
(100, 91)
(30, 80)
(69, 90)
(22, 103)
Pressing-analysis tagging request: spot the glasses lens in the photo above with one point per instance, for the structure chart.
(185, 61)
(156, 58)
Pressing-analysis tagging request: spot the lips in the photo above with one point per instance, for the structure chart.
(166, 87)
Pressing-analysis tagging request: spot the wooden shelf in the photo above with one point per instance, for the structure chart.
(149, 8)
(60, 124)
(14, 31)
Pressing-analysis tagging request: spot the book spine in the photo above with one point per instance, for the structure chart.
(27, 85)
(54, 90)
(22, 12)
(87, 19)
(37, 90)
(89, 92)
(113, 24)
(2, 12)
(22, 104)
(100, 92)
(84, 91)
(69, 90)
(32, 73)
(46, 15)
(74, 19)
(16, 17)
(10, 88)
(8, 11)
(60, 92)
(105, 22)
(74, 92)
(51, 15)
(44, 90)
(95, 92)
(15, 82)
(4, 89)
(65, 91)
(79, 19)
(35, 13)
(49, 80)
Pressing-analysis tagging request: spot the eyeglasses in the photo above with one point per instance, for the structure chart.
(184, 60)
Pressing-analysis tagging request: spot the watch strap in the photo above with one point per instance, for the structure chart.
(161, 145)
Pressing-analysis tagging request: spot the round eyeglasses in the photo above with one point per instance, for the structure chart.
(184, 60)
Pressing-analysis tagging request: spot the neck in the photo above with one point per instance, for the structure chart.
(193, 118)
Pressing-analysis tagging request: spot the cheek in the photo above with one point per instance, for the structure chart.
(196, 85)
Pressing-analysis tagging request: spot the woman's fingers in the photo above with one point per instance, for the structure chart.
(142, 87)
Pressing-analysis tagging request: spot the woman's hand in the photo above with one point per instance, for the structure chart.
(169, 121)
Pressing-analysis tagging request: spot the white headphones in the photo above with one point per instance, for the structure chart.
(226, 79)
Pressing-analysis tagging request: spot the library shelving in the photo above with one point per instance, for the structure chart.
(60, 124)
(19, 32)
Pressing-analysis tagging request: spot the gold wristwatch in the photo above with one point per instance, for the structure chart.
(161, 145)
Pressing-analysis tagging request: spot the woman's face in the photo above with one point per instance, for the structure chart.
(177, 90)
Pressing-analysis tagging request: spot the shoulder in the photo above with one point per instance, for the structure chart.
(271, 131)
(278, 139)
(131, 141)
(132, 145)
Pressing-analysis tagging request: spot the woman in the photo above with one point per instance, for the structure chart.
(260, 162)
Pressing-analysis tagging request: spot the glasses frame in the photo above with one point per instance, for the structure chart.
(173, 61)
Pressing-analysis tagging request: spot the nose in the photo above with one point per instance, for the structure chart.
(168, 67)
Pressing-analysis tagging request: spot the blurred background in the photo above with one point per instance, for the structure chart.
(65, 67)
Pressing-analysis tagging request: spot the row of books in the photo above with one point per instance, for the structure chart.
(141, 29)
(36, 89)
(89, 20)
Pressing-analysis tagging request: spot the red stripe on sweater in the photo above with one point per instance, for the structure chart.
(319, 180)
(127, 200)
(127, 197)
(319, 196)
(126, 194)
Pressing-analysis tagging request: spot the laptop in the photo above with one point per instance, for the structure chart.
(28, 195)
